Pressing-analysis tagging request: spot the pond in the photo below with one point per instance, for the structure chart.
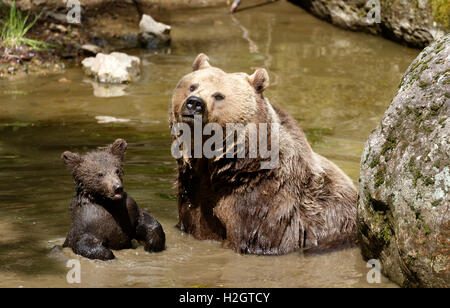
(336, 83)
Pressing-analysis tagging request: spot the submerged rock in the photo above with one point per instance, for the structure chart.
(153, 34)
(417, 23)
(403, 207)
(116, 67)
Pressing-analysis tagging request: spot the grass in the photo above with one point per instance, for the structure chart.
(13, 28)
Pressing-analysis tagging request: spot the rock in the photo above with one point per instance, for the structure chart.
(59, 28)
(416, 23)
(153, 34)
(64, 80)
(91, 48)
(403, 216)
(116, 67)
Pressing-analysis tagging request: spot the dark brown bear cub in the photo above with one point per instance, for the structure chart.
(104, 216)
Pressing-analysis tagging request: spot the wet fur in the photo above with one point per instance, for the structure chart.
(100, 223)
(307, 202)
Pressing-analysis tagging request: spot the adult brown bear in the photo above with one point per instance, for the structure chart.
(305, 201)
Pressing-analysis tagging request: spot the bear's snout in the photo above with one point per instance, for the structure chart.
(118, 190)
(193, 105)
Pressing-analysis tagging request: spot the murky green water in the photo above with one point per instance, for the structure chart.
(337, 84)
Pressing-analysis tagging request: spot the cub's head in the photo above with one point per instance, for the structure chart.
(99, 173)
(217, 96)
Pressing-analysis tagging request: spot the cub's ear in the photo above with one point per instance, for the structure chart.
(118, 148)
(259, 80)
(200, 62)
(71, 160)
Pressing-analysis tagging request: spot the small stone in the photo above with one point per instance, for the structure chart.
(63, 80)
(91, 48)
(153, 34)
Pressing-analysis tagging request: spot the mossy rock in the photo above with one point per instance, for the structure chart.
(404, 189)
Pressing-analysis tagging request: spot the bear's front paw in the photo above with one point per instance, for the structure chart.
(90, 247)
(156, 241)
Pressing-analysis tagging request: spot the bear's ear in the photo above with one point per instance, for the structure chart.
(200, 62)
(118, 148)
(259, 80)
(71, 160)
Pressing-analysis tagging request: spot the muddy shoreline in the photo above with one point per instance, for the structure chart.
(108, 25)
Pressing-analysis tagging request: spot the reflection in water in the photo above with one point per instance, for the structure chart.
(108, 90)
(336, 83)
(108, 119)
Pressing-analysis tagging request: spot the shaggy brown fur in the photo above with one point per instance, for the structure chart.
(307, 202)
(103, 216)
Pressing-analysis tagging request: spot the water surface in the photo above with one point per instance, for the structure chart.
(336, 83)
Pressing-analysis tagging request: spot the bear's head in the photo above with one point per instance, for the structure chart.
(217, 96)
(99, 173)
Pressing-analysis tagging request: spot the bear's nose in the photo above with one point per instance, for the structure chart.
(195, 105)
(118, 188)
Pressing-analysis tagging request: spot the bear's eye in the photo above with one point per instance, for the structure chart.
(193, 87)
(117, 171)
(100, 175)
(218, 96)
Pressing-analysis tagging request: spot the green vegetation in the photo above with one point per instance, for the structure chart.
(379, 178)
(13, 28)
(441, 9)
(390, 144)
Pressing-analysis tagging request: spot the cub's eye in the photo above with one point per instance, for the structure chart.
(193, 87)
(117, 171)
(218, 96)
(100, 175)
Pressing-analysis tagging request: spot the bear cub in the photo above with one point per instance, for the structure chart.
(103, 215)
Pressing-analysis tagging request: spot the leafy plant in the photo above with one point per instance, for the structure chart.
(14, 27)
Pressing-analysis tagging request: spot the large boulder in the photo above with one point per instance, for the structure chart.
(417, 23)
(403, 207)
(116, 67)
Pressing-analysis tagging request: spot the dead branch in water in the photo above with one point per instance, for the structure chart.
(236, 3)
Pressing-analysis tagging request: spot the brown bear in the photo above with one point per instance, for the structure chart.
(305, 202)
(104, 216)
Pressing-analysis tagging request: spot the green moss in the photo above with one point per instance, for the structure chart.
(379, 178)
(411, 259)
(390, 144)
(416, 65)
(421, 225)
(442, 120)
(428, 181)
(417, 175)
(424, 67)
(374, 163)
(423, 84)
(435, 110)
(436, 202)
(386, 233)
(439, 48)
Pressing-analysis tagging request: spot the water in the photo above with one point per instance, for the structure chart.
(337, 84)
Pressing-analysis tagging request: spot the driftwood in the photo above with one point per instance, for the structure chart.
(236, 3)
